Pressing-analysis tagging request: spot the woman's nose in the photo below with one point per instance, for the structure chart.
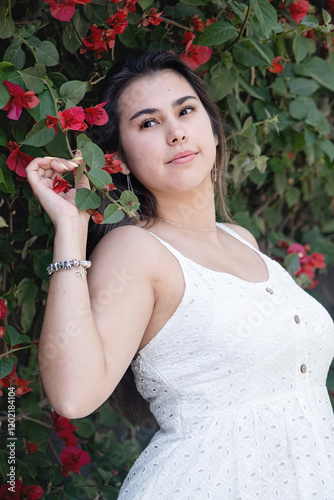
(176, 136)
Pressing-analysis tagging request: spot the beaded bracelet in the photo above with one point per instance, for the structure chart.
(80, 265)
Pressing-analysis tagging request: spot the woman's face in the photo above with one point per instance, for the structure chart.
(166, 134)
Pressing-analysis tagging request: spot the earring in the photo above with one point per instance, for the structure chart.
(215, 170)
(128, 179)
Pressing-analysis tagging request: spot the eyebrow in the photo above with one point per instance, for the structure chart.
(151, 111)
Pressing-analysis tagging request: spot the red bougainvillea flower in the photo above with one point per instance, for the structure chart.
(31, 447)
(63, 10)
(187, 39)
(317, 260)
(96, 217)
(21, 492)
(2, 331)
(154, 17)
(18, 99)
(72, 459)
(17, 160)
(112, 166)
(3, 309)
(60, 185)
(52, 121)
(98, 41)
(118, 21)
(96, 115)
(196, 55)
(210, 21)
(22, 386)
(64, 429)
(197, 23)
(299, 9)
(110, 187)
(275, 66)
(130, 6)
(73, 119)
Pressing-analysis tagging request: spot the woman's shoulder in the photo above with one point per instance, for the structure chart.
(244, 233)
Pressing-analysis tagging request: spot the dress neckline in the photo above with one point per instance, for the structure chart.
(235, 235)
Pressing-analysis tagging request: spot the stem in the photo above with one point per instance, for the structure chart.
(52, 95)
(17, 349)
(174, 23)
(241, 32)
(9, 8)
(31, 49)
(68, 144)
(76, 32)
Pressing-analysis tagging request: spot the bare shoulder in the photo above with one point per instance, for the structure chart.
(244, 233)
(129, 246)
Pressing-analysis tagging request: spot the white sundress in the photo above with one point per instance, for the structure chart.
(236, 380)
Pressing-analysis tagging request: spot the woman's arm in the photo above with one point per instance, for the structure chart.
(90, 335)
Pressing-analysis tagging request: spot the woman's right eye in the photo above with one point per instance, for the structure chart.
(148, 124)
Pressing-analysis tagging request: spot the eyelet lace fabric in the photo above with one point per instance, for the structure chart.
(236, 380)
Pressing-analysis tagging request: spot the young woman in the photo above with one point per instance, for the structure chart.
(230, 353)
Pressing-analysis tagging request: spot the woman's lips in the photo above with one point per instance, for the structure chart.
(183, 157)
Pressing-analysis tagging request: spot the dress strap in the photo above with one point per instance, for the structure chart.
(236, 236)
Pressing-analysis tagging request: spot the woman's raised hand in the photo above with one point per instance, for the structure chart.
(41, 173)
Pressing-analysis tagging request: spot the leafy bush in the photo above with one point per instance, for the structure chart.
(269, 66)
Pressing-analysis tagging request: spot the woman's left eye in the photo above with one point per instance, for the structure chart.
(187, 110)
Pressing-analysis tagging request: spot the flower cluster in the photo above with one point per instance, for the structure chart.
(17, 160)
(13, 380)
(71, 457)
(299, 9)
(75, 118)
(21, 492)
(152, 18)
(308, 263)
(100, 39)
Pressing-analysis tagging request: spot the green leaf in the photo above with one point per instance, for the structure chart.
(128, 39)
(46, 53)
(85, 427)
(265, 14)
(292, 263)
(93, 155)
(4, 95)
(33, 77)
(128, 197)
(280, 182)
(146, 3)
(86, 199)
(99, 177)
(221, 81)
(292, 196)
(28, 312)
(264, 52)
(300, 107)
(327, 147)
(57, 78)
(192, 2)
(303, 86)
(244, 53)
(110, 492)
(45, 107)
(216, 34)
(74, 31)
(12, 336)
(112, 214)
(26, 291)
(300, 48)
(257, 92)
(7, 25)
(39, 135)
(6, 182)
(74, 90)
(6, 366)
(326, 16)
(15, 55)
(41, 259)
(319, 70)
(37, 226)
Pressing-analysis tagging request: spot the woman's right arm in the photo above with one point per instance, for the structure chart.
(89, 335)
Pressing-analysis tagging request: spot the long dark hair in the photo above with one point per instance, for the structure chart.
(138, 64)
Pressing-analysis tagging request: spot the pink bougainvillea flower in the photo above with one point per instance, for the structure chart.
(60, 185)
(3, 309)
(17, 160)
(112, 166)
(299, 9)
(22, 386)
(97, 217)
(197, 23)
(73, 119)
(299, 250)
(118, 21)
(96, 115)
(18, 99)
(196, 55)
(275, 66)
(72, 459)
(98, 41)
(63, 10)
(317, 260)
(52, 121)
(31, 447)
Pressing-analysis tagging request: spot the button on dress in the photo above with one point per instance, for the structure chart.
(236, 380)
